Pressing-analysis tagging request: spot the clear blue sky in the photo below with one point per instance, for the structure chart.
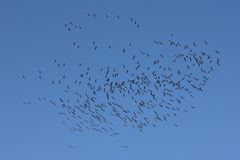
(32, 35)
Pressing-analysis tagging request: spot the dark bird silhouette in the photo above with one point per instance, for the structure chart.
(205, 42)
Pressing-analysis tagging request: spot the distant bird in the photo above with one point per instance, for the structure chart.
(193, 107)
(70, 146)
(194, 44)
(205, 42)
(125, 147)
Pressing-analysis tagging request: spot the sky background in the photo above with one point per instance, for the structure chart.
(32, 35)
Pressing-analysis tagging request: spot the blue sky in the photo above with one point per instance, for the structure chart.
(32, 35)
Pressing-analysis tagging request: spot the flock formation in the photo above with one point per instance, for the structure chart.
(144, 90)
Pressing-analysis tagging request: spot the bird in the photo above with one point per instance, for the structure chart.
(218, 52)
(70, 146)
(194, 44)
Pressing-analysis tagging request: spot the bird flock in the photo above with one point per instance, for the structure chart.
(144, 90)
